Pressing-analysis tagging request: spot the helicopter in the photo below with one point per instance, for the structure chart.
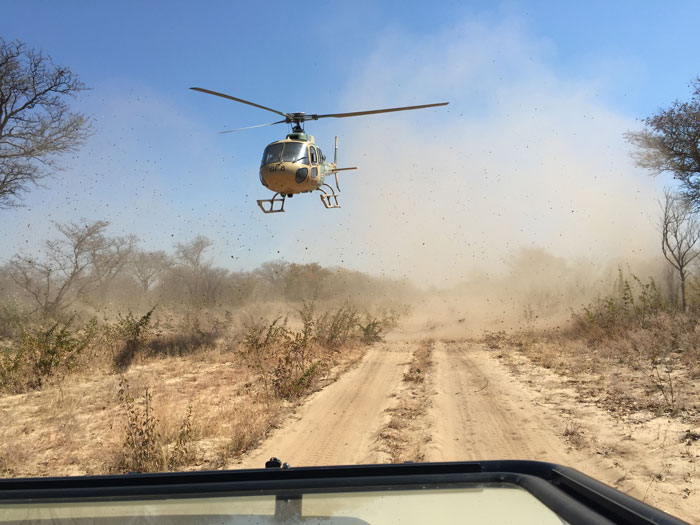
(296, 164)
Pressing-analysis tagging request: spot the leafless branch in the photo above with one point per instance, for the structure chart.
(36, 124)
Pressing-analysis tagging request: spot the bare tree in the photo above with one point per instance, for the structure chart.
(147, 267)
(108, 259)
(303, 281)
(36, 124)
(680, 236)
(189, 255)
(271, 278)
(670, 142)
(64, 273)
(212, 281)
(202, 280)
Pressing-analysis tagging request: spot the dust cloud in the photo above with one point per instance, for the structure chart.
(526, 168)
(537, 291)
(520, 158)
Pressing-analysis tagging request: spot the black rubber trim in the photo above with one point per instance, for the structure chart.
(575, 497)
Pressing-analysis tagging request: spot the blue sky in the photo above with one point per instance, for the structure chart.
(540, 93)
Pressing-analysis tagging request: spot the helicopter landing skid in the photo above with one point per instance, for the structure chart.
(329, 200)
(271, 203)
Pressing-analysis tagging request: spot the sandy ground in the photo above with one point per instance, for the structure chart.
(338, 424)
(463, 401)
(479, 408)
(479, 414)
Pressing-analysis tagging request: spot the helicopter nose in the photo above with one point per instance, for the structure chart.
(281, 177)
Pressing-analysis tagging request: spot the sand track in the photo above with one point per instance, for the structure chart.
(478, 410)
(479, 413)
(338, 424)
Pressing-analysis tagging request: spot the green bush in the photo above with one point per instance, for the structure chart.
(134, 334)
(41, 353)
(371, 330)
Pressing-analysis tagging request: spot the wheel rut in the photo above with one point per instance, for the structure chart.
(338, 425)
(479, 413)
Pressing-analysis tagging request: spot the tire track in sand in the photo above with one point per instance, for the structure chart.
(338, 425)
(480, 413)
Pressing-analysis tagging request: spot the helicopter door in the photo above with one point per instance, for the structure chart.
(314, 161)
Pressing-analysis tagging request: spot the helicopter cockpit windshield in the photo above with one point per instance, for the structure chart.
(286, 152)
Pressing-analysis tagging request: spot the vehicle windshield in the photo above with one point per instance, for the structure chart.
(487, 503)
(499, 260)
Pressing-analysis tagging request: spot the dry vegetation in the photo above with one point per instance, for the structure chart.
(116, 360)
(630, 350)
(140, 394)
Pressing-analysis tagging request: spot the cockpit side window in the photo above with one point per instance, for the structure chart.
(314, 157)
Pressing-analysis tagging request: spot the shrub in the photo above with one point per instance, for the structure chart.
(12, 319)
(371, 330)
(289, 361)
(630, 303)
(285, 351)
(335, 329)
(287, 380)
(140, 449)
(42, 353)
(259, 343)
(134, 335)
(183, 451)
(144, 448)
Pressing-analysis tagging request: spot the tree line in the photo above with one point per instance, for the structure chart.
(85, 267)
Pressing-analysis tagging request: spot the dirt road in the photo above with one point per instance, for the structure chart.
(477, 410)
(338, 425)
(480, 413)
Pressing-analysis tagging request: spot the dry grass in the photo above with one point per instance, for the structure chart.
(207, 402)
(574, 434)
(48, 430)
(636, 358)
(651, 368)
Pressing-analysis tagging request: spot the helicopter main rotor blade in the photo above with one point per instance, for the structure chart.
(372, 112)
(251, 127)
(224, 95)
